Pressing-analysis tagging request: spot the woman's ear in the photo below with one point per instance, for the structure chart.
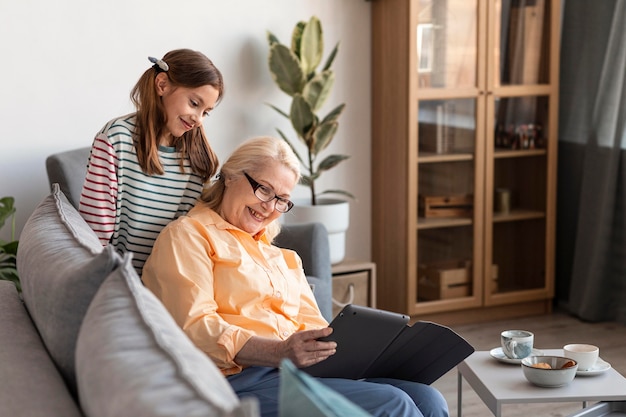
(161, 83)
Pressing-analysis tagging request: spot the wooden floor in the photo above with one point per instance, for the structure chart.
(551, 332)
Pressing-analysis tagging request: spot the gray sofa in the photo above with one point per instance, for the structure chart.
(86, 338)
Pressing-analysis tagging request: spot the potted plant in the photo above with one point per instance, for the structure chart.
(294, 69)
(8, 250)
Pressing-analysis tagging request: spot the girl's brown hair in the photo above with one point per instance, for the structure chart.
(188, 69)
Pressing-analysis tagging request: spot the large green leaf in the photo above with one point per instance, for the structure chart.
(331, 58)
(271, 38)
(296, 38)
(285, 69)
(302, 119)
(324, 135)
(331, 162)
(334, 114)
(311, 46)
(317, 90)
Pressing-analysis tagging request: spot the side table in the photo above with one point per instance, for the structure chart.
(354, 282)
(498, 383)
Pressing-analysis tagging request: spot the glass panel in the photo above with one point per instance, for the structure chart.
(444, 263)
(447, 126)
(520, 185)
(519, 255)
(446, 43)
(522, 42)
(447, 179)
(521, 122)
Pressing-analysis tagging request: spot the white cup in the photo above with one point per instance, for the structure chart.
(517, 344)
(585, 355)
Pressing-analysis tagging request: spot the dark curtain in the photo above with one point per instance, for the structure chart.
(591, 225)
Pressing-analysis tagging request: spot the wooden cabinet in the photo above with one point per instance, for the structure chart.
(354, 282)
(464, 125)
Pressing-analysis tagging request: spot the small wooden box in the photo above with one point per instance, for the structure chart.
(444, 280)
(446, 206)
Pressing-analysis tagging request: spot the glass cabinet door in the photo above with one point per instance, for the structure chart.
(449, 178)
(521, 42)
(518, 169)
(447, 43)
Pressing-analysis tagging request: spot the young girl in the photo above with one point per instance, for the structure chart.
(149, 167)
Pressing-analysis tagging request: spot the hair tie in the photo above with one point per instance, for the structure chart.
(159, 64)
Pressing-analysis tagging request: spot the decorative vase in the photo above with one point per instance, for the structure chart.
(334, 214)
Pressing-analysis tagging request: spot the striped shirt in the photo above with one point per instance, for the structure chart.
(126, 207)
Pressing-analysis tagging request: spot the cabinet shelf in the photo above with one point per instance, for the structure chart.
(431, 158)
(424, 223)
(518, 215)
(518, 153)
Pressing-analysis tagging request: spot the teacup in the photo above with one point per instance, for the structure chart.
(517, 344)
(585, 355)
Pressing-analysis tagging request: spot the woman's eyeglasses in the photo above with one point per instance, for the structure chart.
(266, 195)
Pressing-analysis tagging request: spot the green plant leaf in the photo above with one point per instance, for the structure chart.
(317, 90)
(324, 135)
(302, 120)
(285, 69)
(271, 38)
(311, 46)
(7, 209)
(331, 58)
(278, 110)
(296, 38)
(334, 114)
(331, 161)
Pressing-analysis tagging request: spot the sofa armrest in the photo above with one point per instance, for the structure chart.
(310, 241)
(32, 385)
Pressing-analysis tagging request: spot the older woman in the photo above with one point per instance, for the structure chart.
(245, 302)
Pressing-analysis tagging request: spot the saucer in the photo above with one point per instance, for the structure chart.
(600, 367)
(497, 353)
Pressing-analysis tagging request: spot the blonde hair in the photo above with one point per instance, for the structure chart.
(250, 157)
(189, 69)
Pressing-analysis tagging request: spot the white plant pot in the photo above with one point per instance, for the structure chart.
(332, 213)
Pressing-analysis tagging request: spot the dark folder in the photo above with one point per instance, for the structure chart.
(375, 343)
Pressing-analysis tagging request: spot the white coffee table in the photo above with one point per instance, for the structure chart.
(499, 383)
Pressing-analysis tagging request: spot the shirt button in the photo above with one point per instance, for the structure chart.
(285, 333)
(278, 294)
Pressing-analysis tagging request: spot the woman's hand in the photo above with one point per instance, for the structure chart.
(302, 348)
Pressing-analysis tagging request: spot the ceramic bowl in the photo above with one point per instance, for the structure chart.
(557, 375)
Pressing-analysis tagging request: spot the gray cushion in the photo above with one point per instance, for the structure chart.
(132, 359)
(31, 384)
(61, 265)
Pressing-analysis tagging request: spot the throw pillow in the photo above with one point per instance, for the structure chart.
(132, 359)
(302, 395)
(61, 265)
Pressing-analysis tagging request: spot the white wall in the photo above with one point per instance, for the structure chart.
(67, 67)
